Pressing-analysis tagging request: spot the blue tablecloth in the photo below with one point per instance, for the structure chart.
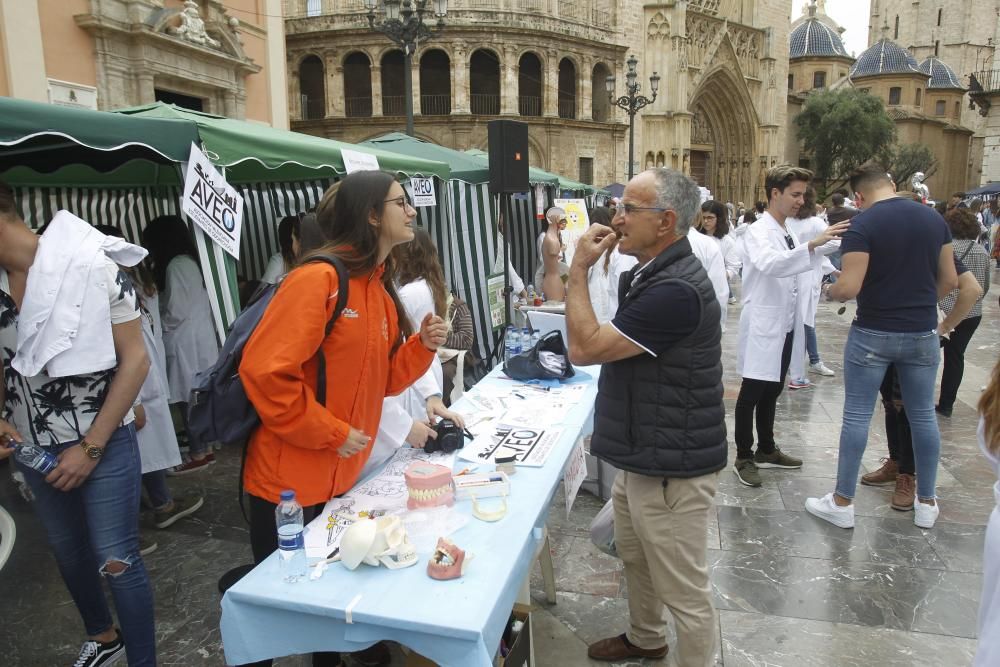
(455, 623)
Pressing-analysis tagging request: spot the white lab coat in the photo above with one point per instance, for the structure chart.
(988, 650)
(65, 321)
(774, 278)
(188, 327)
(274, 270)
(399, 412)
(805, 231)
(157, 439)
(515, 280)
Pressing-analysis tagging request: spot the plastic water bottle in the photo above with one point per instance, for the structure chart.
(291, 539)
(35, 457)
(531, 294)
(525, 339)
(536, 336)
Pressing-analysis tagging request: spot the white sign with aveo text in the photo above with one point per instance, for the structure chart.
(212, 203)
(423, 192)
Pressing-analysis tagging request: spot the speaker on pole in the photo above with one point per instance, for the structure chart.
(508, 154)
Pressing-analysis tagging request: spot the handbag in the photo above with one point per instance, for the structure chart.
(547, 360)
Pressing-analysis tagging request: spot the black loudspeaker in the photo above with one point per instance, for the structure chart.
(508, 151)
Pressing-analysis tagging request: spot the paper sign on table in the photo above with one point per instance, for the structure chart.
(576, 473)
(212, 203)
(530, 446)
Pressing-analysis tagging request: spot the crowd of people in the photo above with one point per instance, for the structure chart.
(101, 342)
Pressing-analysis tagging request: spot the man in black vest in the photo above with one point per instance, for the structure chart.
(659, 414)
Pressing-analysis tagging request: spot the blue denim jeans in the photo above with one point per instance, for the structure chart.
(867, 354)
(155, 484)
(93, 525)
(812, 347)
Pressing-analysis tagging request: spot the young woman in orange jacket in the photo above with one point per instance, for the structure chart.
(319, 450)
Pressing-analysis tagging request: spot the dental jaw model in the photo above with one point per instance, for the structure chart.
(380, 541)
(448, 561)
(429, 485)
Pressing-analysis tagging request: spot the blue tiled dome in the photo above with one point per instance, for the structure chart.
(884, 57)
(941, 75)
(815, 38)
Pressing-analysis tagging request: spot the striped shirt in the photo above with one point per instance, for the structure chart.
(974, 257)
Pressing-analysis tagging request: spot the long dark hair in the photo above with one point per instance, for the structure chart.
(167, 237)
(140, 274)
(288, 229)
(419, 259)
(721, 213)
(344, 221)
(808, 208)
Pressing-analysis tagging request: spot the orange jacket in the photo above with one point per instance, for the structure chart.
(295, 446)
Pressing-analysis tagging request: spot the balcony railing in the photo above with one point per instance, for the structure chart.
(435, 105)
(357, 107)
(567, 108)
(485, 105)
(986, 81)
(393, 105)
(313, 108)
(569, 9)
(529, 5)
(529, 106)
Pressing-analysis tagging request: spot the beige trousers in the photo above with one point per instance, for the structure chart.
(661, 535)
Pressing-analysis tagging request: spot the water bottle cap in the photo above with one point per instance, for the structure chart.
(287, 495)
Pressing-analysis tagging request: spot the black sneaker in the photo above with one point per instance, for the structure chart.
(746, 472)
(776, 459)
(94, 653)
(180, 508)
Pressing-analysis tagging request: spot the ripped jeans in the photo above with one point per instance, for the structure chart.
(93, 531)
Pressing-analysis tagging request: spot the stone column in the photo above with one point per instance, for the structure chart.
(508, 89)
(334, 87)
(415, 87)
(550, 89)
(585, 104)
(460, 79)
(147, 88)
(376, 90)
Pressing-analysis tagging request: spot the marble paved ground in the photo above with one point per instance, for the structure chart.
(790, 590)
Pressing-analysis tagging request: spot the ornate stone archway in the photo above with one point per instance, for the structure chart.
(724, 137)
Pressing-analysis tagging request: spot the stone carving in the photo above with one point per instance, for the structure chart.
(659, 27)
(701, 131)
(192, 27)
(710, 7)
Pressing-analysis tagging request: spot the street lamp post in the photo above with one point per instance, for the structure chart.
(632, 102)
(403, 23)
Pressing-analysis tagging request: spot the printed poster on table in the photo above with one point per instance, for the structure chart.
(575, 474)
(495, 286)
(213, 205)
(577, 222)
(530, 446)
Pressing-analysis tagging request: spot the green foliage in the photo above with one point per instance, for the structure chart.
(908, 159)
(842, 129)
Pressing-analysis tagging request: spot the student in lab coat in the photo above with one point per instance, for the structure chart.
(988, 651)
(777, 271)
(282, 261)
(189, 337)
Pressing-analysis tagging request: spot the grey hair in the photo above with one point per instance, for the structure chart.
(676, 191)
(554, 213)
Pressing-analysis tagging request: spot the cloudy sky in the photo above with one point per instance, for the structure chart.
(851, 14)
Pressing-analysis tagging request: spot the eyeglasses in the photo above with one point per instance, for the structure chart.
(400, 201)
(628, 209)
(789, 241)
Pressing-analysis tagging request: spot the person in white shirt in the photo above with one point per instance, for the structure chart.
(777, 271)
(189, 336)
(282, 261)
(988, 650)
(598, 275)
(714, 224)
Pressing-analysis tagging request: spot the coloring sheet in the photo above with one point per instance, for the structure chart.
(530, 446)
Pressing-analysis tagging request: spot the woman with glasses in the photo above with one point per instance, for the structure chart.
(371, 352)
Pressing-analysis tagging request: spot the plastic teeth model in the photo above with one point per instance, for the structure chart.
(448, 561)
(429, 485)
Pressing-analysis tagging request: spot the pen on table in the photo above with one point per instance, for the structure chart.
(521, 396)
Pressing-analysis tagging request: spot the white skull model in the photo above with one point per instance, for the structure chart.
(381, 541)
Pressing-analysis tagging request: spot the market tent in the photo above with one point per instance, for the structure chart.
(988, 189)
(461, 224)
(615, 189)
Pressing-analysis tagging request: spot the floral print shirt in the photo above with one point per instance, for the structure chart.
(52, 411)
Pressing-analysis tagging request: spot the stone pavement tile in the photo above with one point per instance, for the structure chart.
(959, 545)
(759, 640)
(592, 617)
(732, 492)
(585, 508)
(875, 595)
(794, 533)
(586, 569)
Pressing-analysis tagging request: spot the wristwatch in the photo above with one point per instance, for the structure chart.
(92, 450)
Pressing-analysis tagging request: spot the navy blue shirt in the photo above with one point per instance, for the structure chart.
(659, 316)
(903, 240)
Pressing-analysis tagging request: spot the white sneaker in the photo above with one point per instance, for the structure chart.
(826, 509)
(925, 515)
(821, 368)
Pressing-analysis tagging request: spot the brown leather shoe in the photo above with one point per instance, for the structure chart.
(902, 497)
(884, 476)
(618, 648)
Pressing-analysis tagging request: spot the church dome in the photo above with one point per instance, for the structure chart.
(884, 57)
(942, 76)
(815, 38)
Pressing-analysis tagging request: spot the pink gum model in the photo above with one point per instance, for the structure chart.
(429, 485)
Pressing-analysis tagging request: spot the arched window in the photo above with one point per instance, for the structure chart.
(312, 88)
(650, 160)
(661, 159)
(357, 85)
(567, 88)
(917, 100)
(393, 83)
(435, 83)
(529, 85)
(895, 94)
(484, 83)
(600, 106)
(895, 32)
(819, 79)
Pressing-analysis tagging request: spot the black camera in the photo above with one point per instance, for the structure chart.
(450, 436)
